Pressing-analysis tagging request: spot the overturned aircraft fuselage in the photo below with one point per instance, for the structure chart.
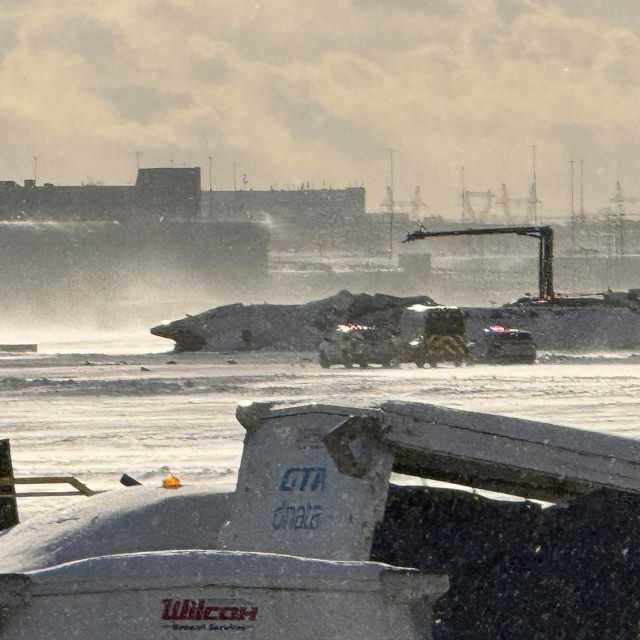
(609, 321)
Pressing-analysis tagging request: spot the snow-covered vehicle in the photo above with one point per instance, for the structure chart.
(445, 336)
(501, 345)
(422, 335)
(357, 344)
(426, 335)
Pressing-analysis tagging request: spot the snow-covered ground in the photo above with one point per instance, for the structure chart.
(96, 407)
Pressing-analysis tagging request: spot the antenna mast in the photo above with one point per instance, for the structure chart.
(582, 189)
(391, 203)
(534, 189)
(573, 212)
(463, 214)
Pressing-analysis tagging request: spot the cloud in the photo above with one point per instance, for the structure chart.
(143, 104)
(7, 36)
(292, 91)
(79, 35)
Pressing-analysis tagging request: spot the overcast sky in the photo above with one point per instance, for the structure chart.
(319, 91)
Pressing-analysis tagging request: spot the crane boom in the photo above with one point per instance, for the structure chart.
(543, 233)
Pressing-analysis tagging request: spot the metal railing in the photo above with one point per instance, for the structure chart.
(80, 487)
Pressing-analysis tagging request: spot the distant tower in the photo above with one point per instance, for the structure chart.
(619, 199)
(390, 188)
(505, 201)
(622, 200)
(573, 208)
(581, 189)
(463, 196)
(533, 192)
(390, 203)
(533, 202)
(417, 204)
(470, 200)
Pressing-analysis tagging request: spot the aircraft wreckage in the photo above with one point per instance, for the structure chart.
(317, 542)
(603, 321)
(609, 320)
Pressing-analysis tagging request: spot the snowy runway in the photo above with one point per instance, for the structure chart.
(97, 416)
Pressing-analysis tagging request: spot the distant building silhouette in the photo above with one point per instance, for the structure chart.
(165, 193)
